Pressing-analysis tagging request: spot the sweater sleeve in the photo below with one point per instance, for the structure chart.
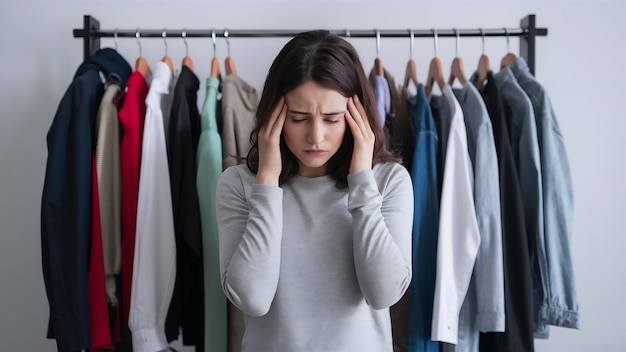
(382, 220)
(250, 226)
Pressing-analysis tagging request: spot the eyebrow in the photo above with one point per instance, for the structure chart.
(308, 113)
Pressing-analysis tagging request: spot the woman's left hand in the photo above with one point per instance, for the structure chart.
(363, 134)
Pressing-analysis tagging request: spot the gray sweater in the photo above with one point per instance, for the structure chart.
(314, 267)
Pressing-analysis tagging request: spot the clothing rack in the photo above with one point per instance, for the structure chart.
(527, 32)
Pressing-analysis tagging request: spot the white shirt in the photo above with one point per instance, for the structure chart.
(459, 238)
(154, 270)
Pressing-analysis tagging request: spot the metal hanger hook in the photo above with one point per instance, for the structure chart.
(377, 42)
(164, 34)
(482, 33)
(436, 39)
(458, 39)
(184, 35)
(137, 36)
(214, 42)
(227, 42)
(508, 43)
(115, 38)
(412, 35)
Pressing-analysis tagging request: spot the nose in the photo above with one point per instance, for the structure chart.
(315, 134)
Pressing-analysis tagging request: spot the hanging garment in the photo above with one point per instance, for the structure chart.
(154, 269)
(458, 239)
(209, 161)
(107, 154)
(483, 307)
(396, 117)
(442, 115)
(560, 301)
(187, 306)
(524, 145)
(98, 305)
(383, 99)
(518, 330)
(66, 201)
(401, 141)
(131, 117)
(239, 102)
(425, 176)
(109, 185)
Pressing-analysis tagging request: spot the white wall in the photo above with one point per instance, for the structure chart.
(581, 63)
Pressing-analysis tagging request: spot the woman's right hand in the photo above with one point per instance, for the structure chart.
(270, 160)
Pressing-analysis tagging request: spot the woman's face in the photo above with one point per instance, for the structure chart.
(314, 127)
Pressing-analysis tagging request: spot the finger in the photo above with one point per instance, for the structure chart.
(358, 118)
(354, 126)
(275, 113)
(361, 109)
(277, 128)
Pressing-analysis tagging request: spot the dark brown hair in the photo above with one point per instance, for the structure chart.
(333, 63)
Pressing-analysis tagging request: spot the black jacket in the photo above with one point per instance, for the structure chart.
(66, 201)
(519, 323)
(187, 305)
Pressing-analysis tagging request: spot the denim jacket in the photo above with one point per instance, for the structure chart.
(560, 302)
(525, 146)
(483, 308)
(425, 224)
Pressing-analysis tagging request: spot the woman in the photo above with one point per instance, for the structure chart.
(315, 231)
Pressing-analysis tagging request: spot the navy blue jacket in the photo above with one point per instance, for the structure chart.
(66, 201)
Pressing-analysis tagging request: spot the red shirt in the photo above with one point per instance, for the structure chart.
(132, 116)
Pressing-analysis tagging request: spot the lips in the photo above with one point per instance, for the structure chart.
(315, 151)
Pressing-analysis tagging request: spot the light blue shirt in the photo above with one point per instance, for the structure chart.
(560, 301)
(483, 308)
(383, 98)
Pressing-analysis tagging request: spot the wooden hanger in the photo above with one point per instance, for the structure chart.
(483, 65)
(410, 74)
(378, 64)
(141, 64)
(483, 68)
(457, 69)
(435, 74)
(215, 67)
(435, 71)
(215, 63)
(229, 63)
(187, 61)
(166, 58)
(509, 58)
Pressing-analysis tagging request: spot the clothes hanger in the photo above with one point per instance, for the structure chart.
(229, 63)
(510, 57)
(410, 75)
(378, 64)
(166, 58)
(187, 61)
(215, 63)
(435, 71)
(141, 64)
(483, 65)
(457, 71)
